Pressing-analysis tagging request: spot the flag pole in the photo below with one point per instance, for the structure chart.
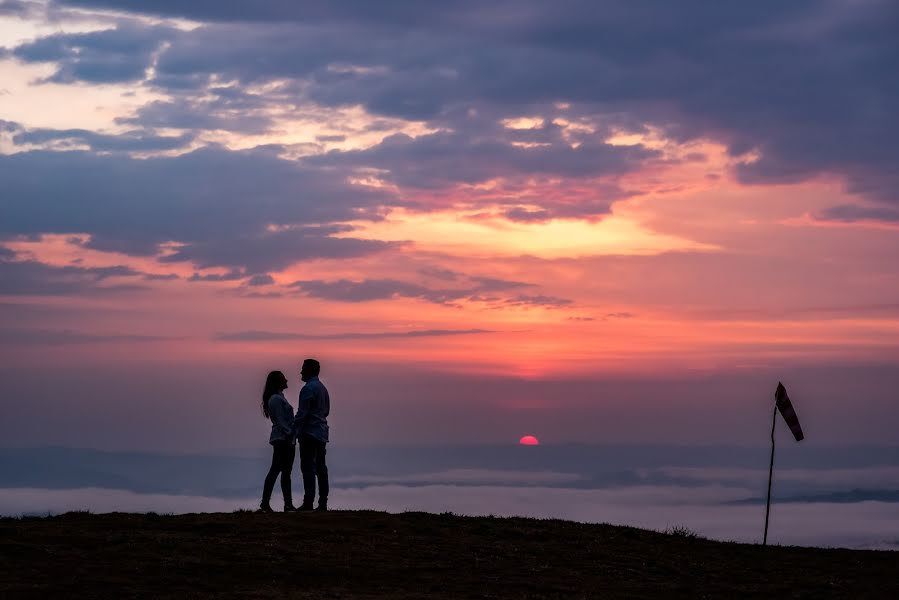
(770, 473)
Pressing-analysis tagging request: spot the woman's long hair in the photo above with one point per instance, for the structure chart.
(274, 383)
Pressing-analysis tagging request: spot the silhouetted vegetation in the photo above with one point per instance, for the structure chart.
(683, 532)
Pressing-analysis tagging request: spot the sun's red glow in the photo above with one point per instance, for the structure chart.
(529, 440)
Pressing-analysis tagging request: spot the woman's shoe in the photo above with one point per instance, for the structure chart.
(290, 508)
(266, 508)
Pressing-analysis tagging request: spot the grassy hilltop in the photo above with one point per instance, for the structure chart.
(413, 555)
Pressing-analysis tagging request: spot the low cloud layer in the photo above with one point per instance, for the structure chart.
(705, 489)
(869, 525)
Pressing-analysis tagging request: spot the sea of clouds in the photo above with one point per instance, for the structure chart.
(853, 505)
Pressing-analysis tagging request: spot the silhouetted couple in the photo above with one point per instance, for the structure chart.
(309, 427)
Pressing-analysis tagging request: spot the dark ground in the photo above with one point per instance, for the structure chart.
(413, 555)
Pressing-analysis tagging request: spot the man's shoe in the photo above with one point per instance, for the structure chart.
(304, 507)
(290, 508)
(322, 507)
(266, 508)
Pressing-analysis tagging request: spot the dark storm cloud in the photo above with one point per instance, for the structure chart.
(260, 280)
(345, 290)
(114, 55)
(160, 277)
(399, 12)
(202, 114)
(849, 213)
(493, 292)
(537, 300)
(809, 86)
(446, 158)
(34, 278)
(525, 215)
(129, 141)
(217, 204)
(439, 273)
(233, 275)
(492, 284)
(274, 251)
(267, 336)
(17, 8)
(43, 337)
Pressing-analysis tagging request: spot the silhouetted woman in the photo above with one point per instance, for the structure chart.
(276, 408)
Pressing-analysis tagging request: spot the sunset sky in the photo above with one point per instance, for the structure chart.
(585, 221)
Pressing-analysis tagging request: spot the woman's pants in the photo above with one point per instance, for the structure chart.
(283, 453)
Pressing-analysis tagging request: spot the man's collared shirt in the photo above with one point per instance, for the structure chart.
(312, 410)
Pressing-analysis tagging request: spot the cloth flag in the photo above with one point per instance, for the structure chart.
(787, 412)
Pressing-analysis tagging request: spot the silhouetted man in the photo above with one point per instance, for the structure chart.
(311, 427)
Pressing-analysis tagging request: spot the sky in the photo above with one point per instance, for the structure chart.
(617, 221)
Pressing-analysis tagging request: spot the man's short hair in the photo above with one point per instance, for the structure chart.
(312, 366)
